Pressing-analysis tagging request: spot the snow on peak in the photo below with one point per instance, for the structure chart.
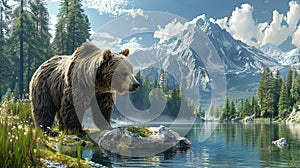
(284, 58)
(271, 50)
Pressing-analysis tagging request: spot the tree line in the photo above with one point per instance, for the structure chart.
(160, 90)
(276, 97)
(26, 42)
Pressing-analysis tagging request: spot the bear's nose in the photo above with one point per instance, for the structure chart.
(136, 85)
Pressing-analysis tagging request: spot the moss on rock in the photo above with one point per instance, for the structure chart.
(142, 131)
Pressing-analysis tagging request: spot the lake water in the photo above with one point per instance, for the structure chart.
(229, 145)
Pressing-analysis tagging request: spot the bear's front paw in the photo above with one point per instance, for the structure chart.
(82, 133)
(51, 133)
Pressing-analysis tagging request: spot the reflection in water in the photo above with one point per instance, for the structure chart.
(230, 145)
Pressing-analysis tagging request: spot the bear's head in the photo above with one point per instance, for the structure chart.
(116, 72)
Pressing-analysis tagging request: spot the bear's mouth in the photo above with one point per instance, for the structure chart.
(134, 87)
(131, 89)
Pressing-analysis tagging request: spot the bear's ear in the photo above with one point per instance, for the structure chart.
(107, 54)
(125, 52)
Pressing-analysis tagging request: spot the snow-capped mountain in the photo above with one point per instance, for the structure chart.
(284, 58)
(271, 50)
(238, 56)
(179, 56)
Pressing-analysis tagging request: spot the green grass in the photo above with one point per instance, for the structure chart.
(18, 139)
(22, 145)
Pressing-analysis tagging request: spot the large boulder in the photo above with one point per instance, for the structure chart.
(124, 141)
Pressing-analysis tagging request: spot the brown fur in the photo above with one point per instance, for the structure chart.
(66, 86)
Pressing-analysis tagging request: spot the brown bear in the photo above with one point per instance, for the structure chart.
(66, 86)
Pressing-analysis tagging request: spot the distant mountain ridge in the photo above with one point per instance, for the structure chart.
(284, 58)
(243, 64)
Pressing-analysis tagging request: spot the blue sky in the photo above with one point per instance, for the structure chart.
(255, 22)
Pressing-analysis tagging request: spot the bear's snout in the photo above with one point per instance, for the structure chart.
(134, 86)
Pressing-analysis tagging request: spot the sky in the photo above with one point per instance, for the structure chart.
(255, 22)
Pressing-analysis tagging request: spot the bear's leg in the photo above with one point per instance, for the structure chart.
(60, 122)
(68, 114)
(43, 108)
(102, 113)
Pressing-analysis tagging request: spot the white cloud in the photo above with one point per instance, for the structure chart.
(276, 33)
(140, 29)
(113, 7)
(174, 29)
(296, 37)
(110, 7)
(243, 27)
(293, 15)
(133, 44)
(104, 40)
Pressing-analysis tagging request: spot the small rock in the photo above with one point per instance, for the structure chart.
(184, 143)
(280, 142)
(49, 163)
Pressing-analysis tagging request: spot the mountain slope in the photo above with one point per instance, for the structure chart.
(180, 56)
(284, 58)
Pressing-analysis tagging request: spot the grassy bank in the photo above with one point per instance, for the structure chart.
(24, 146)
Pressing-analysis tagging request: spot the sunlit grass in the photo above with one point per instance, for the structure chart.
(21, 144)
(18, 139)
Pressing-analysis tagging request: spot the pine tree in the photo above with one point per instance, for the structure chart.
(254, 106)
(37, 43)
(218, 112)
(284, 102)
(276, 87)
(265, 94)
(211, 112)
(240, 105)
(154, 82)
(289, 83)
(72, 28)
(18, 39)
(60, 39)
(294, 88)
(297, 90)
(5, 62)
(200, 112)
(163, 82)
(191, 107)
(78, 26)
(158, 99)
(40, 16)
(30, 38)
(5, 15)
(145, 95)
(232, 109)
(174, 102)
(246, 108)
(226, 111)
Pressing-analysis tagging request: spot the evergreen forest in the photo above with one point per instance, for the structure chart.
(275, 99)
(26, 42)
